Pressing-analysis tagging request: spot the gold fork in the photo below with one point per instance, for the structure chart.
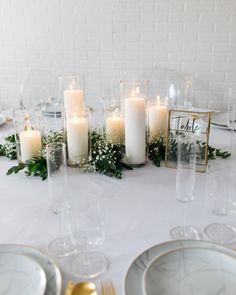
(107, 288)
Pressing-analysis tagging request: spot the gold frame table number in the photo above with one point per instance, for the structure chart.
(188, 122)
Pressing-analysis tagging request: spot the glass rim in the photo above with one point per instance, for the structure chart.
(137, 82)
(56, 144)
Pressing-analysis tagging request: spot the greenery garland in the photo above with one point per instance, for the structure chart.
(106, 158)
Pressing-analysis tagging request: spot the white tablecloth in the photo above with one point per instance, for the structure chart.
(139, 210)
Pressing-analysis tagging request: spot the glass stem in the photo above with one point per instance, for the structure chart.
(185, 216)
(61, 227)
(232, 134)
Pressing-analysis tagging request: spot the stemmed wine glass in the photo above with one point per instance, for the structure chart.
(231, 116)
(220, 194)
(58, 190)
(185, 182)
(87, 215)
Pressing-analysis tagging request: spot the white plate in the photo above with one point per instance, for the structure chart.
(51, 270)
(21, 274)
(191, 271)
(134, 276)
(2, 119)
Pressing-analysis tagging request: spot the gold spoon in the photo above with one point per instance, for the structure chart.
(84, 288)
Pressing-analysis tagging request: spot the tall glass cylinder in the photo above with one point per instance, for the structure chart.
(134, 100)
(27, 135)
(186, 167)
(185, 182)
(58, 190)
(77, 125)
(52, 125)
(74, 93)
(157, 118)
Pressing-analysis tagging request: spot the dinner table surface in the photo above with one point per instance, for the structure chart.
(138, 210)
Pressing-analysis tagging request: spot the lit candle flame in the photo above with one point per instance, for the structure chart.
(115, 113)
(27, 126)
(158, 100)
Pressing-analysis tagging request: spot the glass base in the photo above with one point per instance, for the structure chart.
(184, 232)
(89, 265)
(61, 247)
(221, 233)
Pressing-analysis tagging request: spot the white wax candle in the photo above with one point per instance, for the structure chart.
(30, 144)
(157, 119)
(115, 129)
(135, 134)
(77, 139)
(74, 99)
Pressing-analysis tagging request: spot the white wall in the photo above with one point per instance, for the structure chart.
(106, 38)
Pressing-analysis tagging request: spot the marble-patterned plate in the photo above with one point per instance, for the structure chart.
(189, 271)
(21, 274)
(52, 272)
(133, 283)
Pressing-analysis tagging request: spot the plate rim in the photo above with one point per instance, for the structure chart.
(176, 244)
(56, 268)
(224, 251)
(34, 262)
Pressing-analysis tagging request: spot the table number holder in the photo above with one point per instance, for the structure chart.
(185, 122)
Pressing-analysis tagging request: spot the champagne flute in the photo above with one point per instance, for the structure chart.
(220, 194)
(185, 182)
(58, 190)
(231, 117)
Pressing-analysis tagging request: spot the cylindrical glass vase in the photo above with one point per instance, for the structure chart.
(52, 125)
(134, 101)
(27, 135)
(157, 118)
(114, 127)
(74, 99)
(77, 125)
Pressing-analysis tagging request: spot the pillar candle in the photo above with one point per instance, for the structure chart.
(74, 99)
(115, 129)
(157, 119)
(77, 139)
(135, 134)
(30, 144)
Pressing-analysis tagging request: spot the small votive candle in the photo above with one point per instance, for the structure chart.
(157, 119)
(115, 128)
(27, 135)
(30, 144)
(77, 130)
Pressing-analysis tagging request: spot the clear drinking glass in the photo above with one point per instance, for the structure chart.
(185, 182)
(220, 194)
(88, 222)
(58, 189)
